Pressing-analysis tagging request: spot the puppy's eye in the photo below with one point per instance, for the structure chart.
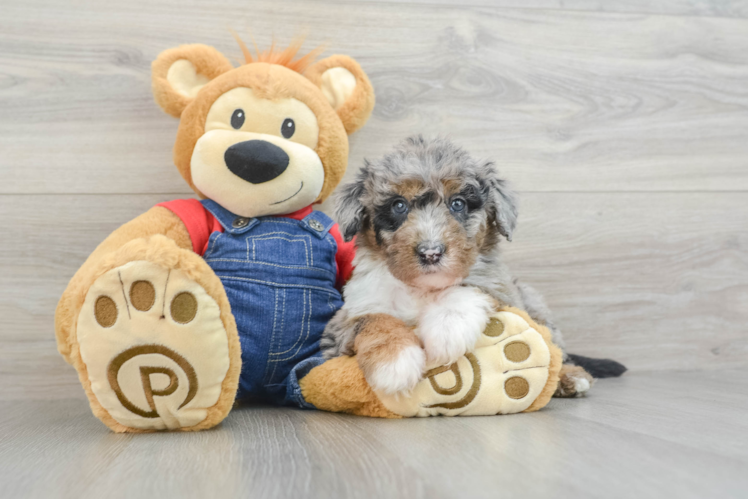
(288, 128)
(399, 207)
(237, 119)
(457, 205)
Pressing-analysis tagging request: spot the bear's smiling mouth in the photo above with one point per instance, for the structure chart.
(297, 192)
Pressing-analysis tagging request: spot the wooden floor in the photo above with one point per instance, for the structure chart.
(655, 434)
(622, 123)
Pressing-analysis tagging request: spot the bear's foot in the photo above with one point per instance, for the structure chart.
(155, 350)
(513, 369)
(508, 372)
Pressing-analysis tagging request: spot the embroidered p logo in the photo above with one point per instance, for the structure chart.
(469, 395)
(146, 373)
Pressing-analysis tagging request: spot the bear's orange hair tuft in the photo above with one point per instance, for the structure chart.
(284, 57)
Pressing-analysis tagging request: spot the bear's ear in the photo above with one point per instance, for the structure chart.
(178, 74)
(346, 87)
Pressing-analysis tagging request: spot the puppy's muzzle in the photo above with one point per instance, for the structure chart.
(256, 161)
(430, 253)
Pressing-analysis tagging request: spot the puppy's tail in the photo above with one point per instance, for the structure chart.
(598, 368)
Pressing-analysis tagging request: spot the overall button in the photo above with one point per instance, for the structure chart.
(240, 222)
(316, 225)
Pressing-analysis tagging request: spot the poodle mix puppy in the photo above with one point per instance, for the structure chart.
(428, 270)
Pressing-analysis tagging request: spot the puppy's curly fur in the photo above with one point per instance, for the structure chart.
(428, 219)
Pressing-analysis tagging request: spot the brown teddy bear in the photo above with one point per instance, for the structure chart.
(196, 304)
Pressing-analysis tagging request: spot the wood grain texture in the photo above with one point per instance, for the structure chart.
(700, 8)
(665, 434)
(624, 126)
(564, 100)
(655, 281)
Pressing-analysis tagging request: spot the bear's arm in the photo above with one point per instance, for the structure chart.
(157, 220)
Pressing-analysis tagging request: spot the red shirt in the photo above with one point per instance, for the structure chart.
(200, 224)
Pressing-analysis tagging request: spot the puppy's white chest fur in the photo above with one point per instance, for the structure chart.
(448, 321)
(373, 289)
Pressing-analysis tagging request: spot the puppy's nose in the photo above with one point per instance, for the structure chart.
(256, 161)
(430, 252)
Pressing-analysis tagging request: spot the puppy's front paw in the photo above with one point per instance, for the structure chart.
(401, 374)
(452, 325)
(448, 336)
(445, 346)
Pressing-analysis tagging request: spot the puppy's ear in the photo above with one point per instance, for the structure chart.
(349, 209)
(502, 202)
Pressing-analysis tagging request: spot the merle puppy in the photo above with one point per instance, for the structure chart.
(428, 270)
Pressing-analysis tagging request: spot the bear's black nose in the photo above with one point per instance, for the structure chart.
(256, 161)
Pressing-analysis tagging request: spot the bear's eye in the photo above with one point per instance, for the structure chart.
(237, 119)
(288, 128)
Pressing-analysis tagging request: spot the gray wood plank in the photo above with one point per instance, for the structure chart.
(622, 123)
(655, 281)
(621, 441)
(700, 8)
(683, 405)
(565, 101)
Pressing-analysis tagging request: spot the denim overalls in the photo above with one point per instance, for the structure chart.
(279, 275)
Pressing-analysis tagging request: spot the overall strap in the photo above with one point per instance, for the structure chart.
(318, 223)
(231, 223)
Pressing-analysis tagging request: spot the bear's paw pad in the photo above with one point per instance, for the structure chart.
(505, 373)
(154, 346)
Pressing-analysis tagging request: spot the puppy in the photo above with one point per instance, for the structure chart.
(428, 271)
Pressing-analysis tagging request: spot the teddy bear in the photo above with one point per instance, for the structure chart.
(196, 304)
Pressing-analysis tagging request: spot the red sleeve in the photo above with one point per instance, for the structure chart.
(344, 257)
(199, 222)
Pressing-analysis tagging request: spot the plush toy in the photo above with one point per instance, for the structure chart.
(196, 304)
